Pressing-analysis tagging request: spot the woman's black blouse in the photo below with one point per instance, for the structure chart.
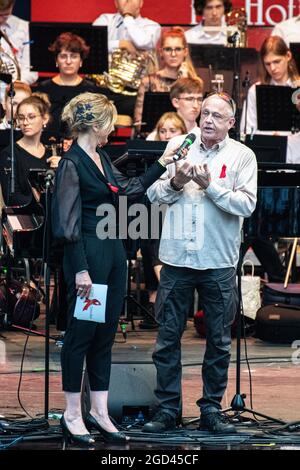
(24, 161)
(80, 188)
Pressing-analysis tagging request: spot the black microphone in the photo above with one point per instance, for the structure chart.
(233, 38)
(49, 175)
(6, 78)
(188, 141)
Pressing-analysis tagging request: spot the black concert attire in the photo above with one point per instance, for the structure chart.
(60, 95)
(24, 161)
(79, 189)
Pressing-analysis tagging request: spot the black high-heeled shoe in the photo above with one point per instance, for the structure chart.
(82, 439)
(92, 423)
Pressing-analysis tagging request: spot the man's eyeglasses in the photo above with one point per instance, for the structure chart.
(30, 118)
(224, 96)
(192, 99)
(169, 50)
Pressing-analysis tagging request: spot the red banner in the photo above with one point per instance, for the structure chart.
(261, 14)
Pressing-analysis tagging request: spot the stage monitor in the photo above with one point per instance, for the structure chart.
(155, 105)
(275, 109)
(268, 148)
(42, 35)
(295, 50)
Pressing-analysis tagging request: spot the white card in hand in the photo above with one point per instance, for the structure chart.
(93, 308)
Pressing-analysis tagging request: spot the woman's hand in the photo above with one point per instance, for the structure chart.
(54, 161)
(168, 156)
(83, 284)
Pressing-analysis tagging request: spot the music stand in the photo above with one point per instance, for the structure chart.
(155, 105)
(44, 34)
(275, 109)
(219, 59)
(295, 50)
(268, 148)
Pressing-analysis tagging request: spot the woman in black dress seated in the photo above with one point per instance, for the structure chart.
(69, 51)
(86, 179)
(32, 115)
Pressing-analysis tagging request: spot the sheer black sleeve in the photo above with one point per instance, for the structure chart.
(66, 214)
(137, 186)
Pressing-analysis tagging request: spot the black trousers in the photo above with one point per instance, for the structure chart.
(90, 340)
(218, 293)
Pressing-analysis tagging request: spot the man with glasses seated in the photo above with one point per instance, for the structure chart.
(186, 96)
(208, 194)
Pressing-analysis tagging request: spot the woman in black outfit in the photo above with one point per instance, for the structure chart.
(32, 114)
(69, 51)
(86, 179)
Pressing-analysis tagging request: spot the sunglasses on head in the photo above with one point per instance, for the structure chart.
(224, 96)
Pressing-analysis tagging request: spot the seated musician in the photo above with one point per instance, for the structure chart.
(175, 63)
(169, 125)
(132, 34)
(32, 115)
(212, 12)
(69, 51)
(279, 68)
(21, 91)
(15, 43)
(186, 96)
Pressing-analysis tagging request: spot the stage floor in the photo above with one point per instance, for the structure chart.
(275, 373)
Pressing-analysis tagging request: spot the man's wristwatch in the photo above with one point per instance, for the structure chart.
(174, 186)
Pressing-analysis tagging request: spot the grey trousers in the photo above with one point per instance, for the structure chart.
(218, 296)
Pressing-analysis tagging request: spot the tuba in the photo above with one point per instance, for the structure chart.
(236, 21)
(8, 61)
(125, 71)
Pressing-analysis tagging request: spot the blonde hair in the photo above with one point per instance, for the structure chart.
(175, 118)
(87, 109)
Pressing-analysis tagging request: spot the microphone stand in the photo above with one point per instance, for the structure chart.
(46, 257)
(246, 84)
(11, 95)
(236, 87)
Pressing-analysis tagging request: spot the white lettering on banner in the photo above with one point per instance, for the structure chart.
(259, 14)
(259, 5)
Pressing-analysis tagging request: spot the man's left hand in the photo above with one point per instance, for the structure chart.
(201, 175)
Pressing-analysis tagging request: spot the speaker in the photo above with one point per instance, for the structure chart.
(131, 392)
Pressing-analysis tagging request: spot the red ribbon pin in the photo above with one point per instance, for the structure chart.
(223, 172)
(113, 188)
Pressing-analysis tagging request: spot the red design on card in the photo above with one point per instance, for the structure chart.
(89, 303)
(223, 172)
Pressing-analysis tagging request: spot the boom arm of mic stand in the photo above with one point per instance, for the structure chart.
(236, 87)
